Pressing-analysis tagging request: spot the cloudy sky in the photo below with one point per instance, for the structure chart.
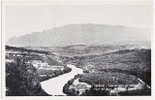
(23, 19)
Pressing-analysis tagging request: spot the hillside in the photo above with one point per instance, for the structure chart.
(135, 61)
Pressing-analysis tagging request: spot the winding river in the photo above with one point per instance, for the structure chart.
(55, 85)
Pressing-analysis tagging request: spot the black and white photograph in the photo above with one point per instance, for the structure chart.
(82, 49)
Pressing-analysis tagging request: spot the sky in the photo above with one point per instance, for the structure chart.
(24, 19)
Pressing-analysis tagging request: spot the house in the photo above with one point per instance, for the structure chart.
(39, 64)
(57, 67)
(80, 87)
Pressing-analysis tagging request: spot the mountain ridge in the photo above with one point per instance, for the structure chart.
(81, 34)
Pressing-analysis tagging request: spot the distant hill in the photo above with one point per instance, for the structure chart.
(84, 50)
(81, 34)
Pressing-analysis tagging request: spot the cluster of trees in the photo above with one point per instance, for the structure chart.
(22, 49)
(50, 74)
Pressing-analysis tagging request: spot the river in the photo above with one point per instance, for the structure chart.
(54, 86)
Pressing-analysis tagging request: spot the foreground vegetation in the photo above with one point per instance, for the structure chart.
(22, 80)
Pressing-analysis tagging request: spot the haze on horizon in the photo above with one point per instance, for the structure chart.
(21, 20)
